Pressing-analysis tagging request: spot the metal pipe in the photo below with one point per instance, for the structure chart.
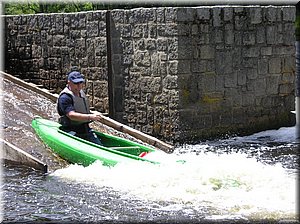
(297, 91)
(298, 118)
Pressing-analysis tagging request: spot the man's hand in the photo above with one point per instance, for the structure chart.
(95, 116)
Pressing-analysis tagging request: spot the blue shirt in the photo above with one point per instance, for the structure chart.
(65, 104)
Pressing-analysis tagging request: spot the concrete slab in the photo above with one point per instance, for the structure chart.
(11, 153)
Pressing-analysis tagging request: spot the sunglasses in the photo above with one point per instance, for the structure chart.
(77, 83)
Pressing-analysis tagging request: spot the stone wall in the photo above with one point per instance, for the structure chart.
(189, 73)
(146, 50)
(179, 74)
(42, 48)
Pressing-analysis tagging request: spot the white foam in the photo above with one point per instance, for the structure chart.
(231, 183)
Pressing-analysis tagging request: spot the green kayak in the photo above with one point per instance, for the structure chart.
(80, 151)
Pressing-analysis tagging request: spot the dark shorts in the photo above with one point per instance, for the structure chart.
(89, 135)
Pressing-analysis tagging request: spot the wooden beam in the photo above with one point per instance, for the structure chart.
(137, 134)
(31, 86)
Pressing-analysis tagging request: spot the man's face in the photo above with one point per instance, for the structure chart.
(75, 87)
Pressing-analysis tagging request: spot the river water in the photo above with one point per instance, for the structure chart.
(235, 179)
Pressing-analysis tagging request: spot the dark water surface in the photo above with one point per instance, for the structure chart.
(236, 179)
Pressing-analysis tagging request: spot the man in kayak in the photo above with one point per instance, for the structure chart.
(73, 108)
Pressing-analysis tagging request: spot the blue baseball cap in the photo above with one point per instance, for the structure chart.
(75, 77)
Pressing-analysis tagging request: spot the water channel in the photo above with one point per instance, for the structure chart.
(234, 179)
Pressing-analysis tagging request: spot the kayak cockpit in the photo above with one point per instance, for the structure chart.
(115, 144)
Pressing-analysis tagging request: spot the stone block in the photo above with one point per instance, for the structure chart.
(289, 65)
(155, 64)
(260, 87)
(255, 15)
(44, 22)
(173, 48)
(238, 38)
(118, 16)
(288, 78)
(198, 66)
(171, 30)
(263, 66)
(162, 44)
(241, 78)
(285, 89)
(240, 22)
(138, 31)
(272, 87)
(160, 98)
(127, 60)
(171, 15)
(184, 29)
(127, 46)
(161, 28)
(207, 83)
(275, 65)
(152, 30)
(185, 14)
(230, 80)
(289, 13)
(217, 21)
(218, 35)
(160, 15)
(249, 38)
(36, 51)
(266, 51)
(102, 29)
(229, 37)
(223, 62)
(251, 52)
(59, 40)
(135, 16)
(228, 14)
(260, 35)
(271, 34)
(173, 98)
(271, 14)
(203, 13)
(169, 82)
(288, 39)
(248, 100)
(284, 50)
(142, 58)
(194, 30)
(207, 52)
(220, 83)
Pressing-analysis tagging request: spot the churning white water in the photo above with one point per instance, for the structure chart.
(228, 185)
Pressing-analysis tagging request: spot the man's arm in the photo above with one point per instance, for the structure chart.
(84, 117)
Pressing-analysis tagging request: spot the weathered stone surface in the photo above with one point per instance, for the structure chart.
(178, 73)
